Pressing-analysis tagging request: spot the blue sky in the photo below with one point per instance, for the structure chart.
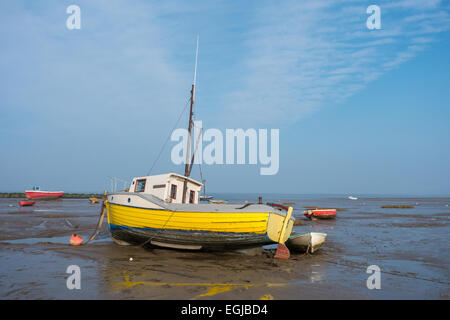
(359, 111)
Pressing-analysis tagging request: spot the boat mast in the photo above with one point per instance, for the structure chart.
(204, 188)
(188, 167)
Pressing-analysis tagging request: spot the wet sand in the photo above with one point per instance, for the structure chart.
(409, 245)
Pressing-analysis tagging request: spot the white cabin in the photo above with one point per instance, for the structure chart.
(168, 187)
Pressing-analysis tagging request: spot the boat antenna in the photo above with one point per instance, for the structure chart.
(191, 113)
(188, 167)
(195, 69)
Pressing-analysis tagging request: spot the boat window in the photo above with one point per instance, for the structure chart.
(173, 191)
(191, 196)
(140, 185)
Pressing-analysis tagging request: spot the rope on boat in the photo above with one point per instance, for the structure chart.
(245, 205)
(100, 221)
(168, 138)
(162, 229)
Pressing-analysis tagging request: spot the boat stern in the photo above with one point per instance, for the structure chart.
(279, 226)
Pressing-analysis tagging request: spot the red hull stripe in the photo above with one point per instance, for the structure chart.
(43, 194)
(321, 213)
(324, 212)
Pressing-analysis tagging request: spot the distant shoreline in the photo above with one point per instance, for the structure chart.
(281, 196)
(66, 195)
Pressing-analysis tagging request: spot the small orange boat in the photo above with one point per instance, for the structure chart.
(25, 203)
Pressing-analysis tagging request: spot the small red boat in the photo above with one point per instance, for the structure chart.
(24, 203)
(320, 214)
(38, 194)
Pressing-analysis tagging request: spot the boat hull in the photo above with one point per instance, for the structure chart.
(195, 230)
(181, 239)
(26, 203)
(320, 214)
(44, 195)
(308, 242)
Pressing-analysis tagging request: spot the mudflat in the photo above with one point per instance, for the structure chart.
(409, 246)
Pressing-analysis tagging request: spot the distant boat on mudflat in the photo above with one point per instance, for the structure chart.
(218, 201)
(352, 198)
(94, 200)
(24, 203)
(204, 197)
(320, 214)
(39, 194)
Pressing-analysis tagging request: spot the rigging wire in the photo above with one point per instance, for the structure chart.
(168, 138)
(199, 164)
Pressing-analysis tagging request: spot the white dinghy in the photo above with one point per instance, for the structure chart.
(308, 242)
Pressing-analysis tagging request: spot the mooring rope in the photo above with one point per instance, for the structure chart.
(158, 232)
(168, 138)
(100, 221)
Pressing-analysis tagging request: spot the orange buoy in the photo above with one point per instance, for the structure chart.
(76, 240)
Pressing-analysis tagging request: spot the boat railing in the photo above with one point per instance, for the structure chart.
(276, 205)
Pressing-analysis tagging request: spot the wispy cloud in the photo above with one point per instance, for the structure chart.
(303, 55)
(70, 97)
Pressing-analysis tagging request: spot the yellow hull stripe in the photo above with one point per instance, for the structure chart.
(244, 222)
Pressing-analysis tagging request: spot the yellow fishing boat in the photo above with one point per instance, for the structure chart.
(163, 210)
(141, 216)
